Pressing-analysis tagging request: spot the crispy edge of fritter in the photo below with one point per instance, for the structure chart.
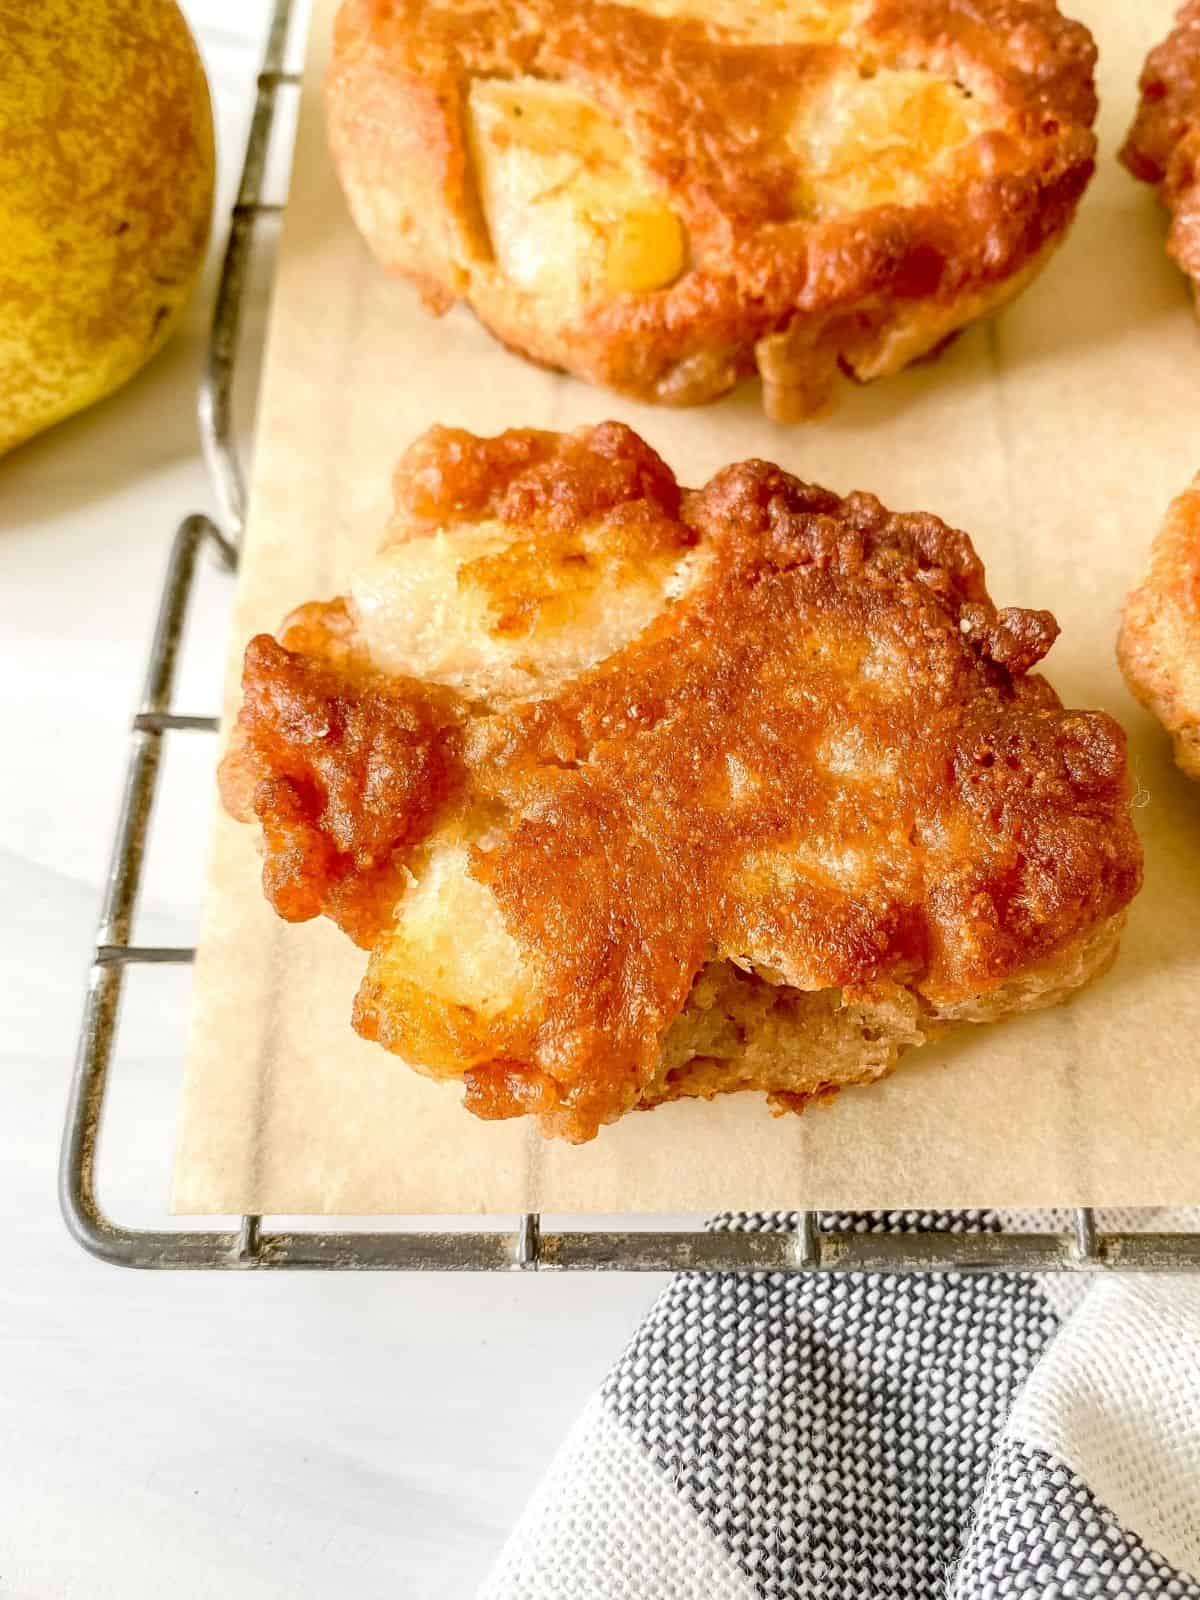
(1162, 147)
(1159, 645)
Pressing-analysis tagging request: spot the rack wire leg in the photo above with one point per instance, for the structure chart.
(114, 950)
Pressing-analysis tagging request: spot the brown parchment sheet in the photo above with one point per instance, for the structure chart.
(1056, 435)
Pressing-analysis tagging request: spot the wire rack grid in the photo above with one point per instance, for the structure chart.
(251, 1246)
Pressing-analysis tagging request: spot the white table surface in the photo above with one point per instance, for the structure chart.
(205, 1434)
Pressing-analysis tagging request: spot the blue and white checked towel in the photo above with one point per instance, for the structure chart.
(884, 1438)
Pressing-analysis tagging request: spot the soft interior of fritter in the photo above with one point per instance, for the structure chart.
(739, 1031)
(496, 613)
(568, 212)
(571, 215)
(450, 939)
(877, 138)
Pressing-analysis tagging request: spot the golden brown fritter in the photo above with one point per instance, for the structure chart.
(1163, 146)
(1159, 649)
(635, 792)
(670, 196)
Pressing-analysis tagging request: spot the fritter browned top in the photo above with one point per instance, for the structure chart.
(820, 753)
(1163, 145)
(668, 196)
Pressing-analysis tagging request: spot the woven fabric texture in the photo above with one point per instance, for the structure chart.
(819, 1436)
(1041, 1532)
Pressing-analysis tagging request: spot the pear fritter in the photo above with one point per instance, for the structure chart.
(1159, 648)
(667, 197)
(1163, 145)
(634, 792)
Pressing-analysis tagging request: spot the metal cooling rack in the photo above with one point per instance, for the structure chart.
(253, 1246)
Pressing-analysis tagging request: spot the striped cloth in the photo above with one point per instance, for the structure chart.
(862, 1437)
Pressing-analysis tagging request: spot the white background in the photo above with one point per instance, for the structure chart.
(222, 1434)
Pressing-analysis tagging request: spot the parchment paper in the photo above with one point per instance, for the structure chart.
(1056, 435)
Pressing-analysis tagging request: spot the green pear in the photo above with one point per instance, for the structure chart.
(106, 184)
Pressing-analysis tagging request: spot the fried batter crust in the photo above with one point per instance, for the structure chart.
(824, 765)
(707, 108)
(341, 766)
(1159, 648)
(1163, 145)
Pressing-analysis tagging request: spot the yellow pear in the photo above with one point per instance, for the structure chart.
(106, 181)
